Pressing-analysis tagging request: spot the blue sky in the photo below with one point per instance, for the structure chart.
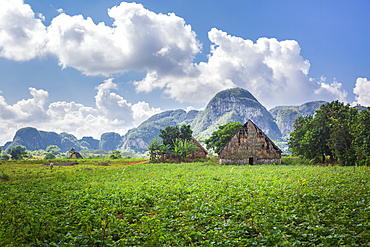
(89, 67)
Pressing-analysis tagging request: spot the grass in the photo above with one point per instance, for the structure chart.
(35, 169)
(188, 204)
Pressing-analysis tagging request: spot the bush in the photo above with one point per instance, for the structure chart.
(4, 176)
(49, 156)
(5, 157)
(294, 160)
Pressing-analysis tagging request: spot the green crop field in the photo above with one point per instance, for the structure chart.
(187, 204)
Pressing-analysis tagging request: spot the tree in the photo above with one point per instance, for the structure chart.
(222, 136)
(331, 131)
(185, 132)
(362, 137)
(169, 134)
(72, 150)
(54, 149)
(115, 155)
(17, 152)
(297, 135)
(342, 135)
(20, 147)
(49, 156)
(5, 157)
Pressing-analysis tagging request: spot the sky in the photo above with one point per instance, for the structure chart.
(90, 67)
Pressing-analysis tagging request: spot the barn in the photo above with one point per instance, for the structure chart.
(76, 155)
(249, 146)
(199, 153)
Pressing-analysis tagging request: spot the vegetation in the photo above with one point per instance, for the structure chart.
(337, 131)
(49, 156)
(184, 205)
(115, 155)
(222, 136)
(175, 141)
(54, 149)
(17, 152)
(170, 134)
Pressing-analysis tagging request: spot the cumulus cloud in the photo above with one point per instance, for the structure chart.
(362, 91)
(164, 46)
(139, 40)
(22, 35)
(112, 113)
(272, 70)
(332, 91)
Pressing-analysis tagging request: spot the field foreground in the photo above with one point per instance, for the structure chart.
(189, 204)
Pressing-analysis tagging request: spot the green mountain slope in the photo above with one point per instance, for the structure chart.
(286, 115)
(234, 105)
(138, 138)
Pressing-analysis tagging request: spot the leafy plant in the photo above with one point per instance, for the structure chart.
(184, 205)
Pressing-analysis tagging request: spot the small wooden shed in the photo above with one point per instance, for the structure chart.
(76, 155)
(199, 153)
(250, 146)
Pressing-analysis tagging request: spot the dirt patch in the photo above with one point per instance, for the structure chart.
(135, 162)
(103, 164)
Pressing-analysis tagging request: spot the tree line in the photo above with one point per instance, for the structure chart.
(336, 131)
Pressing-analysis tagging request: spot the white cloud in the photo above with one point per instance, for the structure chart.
(164, 46)
(60, 10)
(273, 71)
(41, 17)
(139, 40)
(332, 91)
(112, 113)
(22, 35)
(362, 90)
(142, 111)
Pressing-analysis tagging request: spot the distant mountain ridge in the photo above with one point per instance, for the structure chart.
(230, 105)
(286, 115)
(138, 138)
(34, 139)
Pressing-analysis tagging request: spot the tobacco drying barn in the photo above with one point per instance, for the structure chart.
(249, 146)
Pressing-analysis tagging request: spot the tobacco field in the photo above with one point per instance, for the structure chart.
(187, 204)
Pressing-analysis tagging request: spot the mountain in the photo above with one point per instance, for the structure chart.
(286, 115)
(138, 138)
(234, 105)
(231, 105)
(227, 106)
(34, 139)
(87, 142)
(110, 141)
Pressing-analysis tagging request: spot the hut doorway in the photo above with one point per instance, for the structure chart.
(251, 161)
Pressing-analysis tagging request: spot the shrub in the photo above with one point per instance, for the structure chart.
(49, 156)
